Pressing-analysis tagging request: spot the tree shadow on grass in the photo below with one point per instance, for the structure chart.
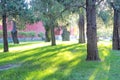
(114, 71)
(61, 62)
(81, 71)
(37, 52)
(34, 58)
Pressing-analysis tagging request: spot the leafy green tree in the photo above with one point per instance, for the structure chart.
(77, 7)
(105, 16)
(10, 8)
(48, 11)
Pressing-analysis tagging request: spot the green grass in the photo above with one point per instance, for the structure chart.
(39, 61)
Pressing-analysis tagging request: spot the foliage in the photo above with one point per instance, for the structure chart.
(26, 17)
(65, 35)
(1, 33)
(47, 12)
(105, 16)
(104, 30)
(71, 7)
(12, 7)
(27, 34)
(17, 10)
(41, 34)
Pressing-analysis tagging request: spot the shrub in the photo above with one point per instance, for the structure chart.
(41, 34)
(27, 34)
(1, 33)
(30, 34)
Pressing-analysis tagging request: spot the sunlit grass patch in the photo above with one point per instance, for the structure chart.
(40, 61)
(105, 49)
(25, 46)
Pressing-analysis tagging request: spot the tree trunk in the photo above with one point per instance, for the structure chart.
(53, 43)
(47, 38)
(4, 25)
(5, 41)
(81, 29)
(92, 50)
(14, 34)
(116, 31)
(65, 35)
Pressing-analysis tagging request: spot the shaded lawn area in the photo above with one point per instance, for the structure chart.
(39, 61)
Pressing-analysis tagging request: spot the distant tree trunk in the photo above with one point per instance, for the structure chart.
(14, 34)
(65, 35)
(5, 41)
(53, 43)
(92, 50)
(116, 30)
(81, 29)
(47, 38)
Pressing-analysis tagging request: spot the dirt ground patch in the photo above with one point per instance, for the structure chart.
(9, 66)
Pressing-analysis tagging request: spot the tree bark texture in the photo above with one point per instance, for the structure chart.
(53, 43)
(47, 38)
(14, 34)
(81, 29)
(4, 25)
(116, 31)
(5, 41)
(65, 35)
(92, 49)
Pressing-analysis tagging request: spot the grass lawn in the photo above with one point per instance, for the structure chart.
(39, 61)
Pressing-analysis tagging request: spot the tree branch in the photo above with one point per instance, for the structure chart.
(116, 8)
(99, 2)
(69, 6)
(79, 6)
(113, 6)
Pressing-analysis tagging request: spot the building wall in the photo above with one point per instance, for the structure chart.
(36, 27)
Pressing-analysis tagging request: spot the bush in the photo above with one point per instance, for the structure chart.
(30, 34)
(41, 34)
(1, 33)
(9, 34)
(27, 34)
